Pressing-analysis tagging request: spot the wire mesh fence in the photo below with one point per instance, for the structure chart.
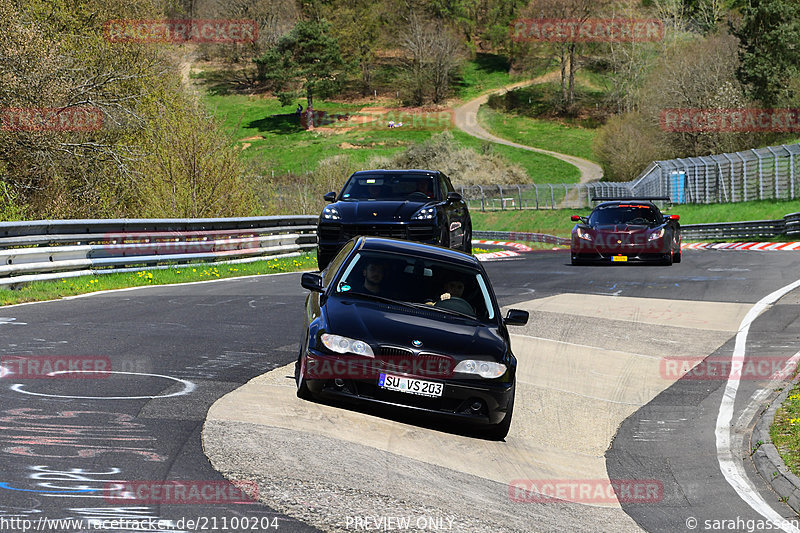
(759, 174)
(539, 196)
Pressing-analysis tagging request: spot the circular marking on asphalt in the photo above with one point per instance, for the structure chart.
(188, 387)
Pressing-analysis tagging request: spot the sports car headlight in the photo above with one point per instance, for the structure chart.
(485, 369)
(426, 213)
(656, 235)
(583, 234)
(339, 344)
(331, 213)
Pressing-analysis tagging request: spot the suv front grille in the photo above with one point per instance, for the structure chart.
(421, 233)
(394, 231)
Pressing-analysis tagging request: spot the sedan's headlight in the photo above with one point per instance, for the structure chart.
(339, 344)
(426, 213)
(656, 235)
(583, 234)
(485, 369)
(331, 213)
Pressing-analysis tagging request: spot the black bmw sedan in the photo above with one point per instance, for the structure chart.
(417, 205)
(406, 324)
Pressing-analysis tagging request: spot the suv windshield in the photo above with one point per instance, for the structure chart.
(392, 187)
(622, 214)
(420, 282)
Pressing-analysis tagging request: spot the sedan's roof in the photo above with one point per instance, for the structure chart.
(424, 251)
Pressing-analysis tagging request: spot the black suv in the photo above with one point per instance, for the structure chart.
(416, 205)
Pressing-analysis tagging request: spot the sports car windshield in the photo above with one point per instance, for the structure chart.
(625, 214)
(391, 187)
(422, 283)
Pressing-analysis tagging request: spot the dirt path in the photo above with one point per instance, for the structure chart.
(466, 118)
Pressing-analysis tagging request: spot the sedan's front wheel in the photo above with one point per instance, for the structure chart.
(300, 377)
(499, 431)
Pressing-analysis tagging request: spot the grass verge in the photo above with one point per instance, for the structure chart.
(545, 134)
(541, 168)
(557, 222)
(55, 289)
(785, 430)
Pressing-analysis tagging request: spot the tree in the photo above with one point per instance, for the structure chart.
(698, 75)
(769, 34)
(432, 56)
(357, 25)
(567, 48)
(307, 56)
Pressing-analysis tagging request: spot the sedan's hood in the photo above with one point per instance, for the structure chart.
(395, 325)
(366, 211)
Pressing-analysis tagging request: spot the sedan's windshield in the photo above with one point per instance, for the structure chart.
(434, 285)
(392, 187)
(622, 214)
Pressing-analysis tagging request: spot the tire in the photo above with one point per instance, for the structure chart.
(467, 245)
(323, 259)
(499, 431)
(299, 370)
(444, 238)
(668, 259)
(676, 258)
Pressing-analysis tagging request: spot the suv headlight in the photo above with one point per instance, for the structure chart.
(426, 213)
(331, 213)
(656, 235)
(485, 369)
(339, 344)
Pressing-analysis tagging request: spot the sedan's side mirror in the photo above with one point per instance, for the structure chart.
(674, 217)
(330, 197)
(453, 197)
(575, 218)
(311, 281)
(516, 317)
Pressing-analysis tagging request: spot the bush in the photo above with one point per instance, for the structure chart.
(462, 165)
(190, 168)
(626, 145)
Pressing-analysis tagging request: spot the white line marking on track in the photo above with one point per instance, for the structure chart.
(731, 468)
(188, 387)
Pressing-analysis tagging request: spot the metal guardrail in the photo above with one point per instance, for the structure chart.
(734, 230)
(53, 249)
(788, 225)
(520, 237)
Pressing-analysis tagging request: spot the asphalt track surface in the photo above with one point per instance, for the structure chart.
(179, 349)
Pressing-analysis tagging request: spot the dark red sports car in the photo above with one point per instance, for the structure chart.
(624, 230)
